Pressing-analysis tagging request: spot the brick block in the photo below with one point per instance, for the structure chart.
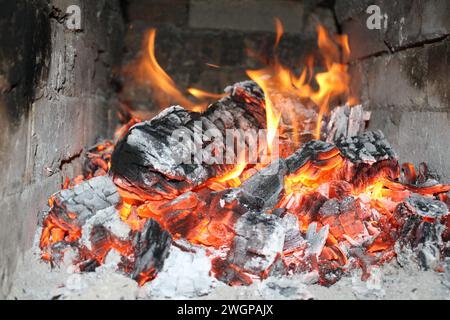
(417, 136)
(258, 15)
(409, 23)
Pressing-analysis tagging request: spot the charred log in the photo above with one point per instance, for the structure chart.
(369, 147)
(151, 164)
(69, 211)
(420, 231)
(259, 241)
(346, 122)
(151, 247)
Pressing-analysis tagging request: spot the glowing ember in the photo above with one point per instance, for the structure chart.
(320, 206)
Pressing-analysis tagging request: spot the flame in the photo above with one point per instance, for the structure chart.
(164, 89)
(331, 84)
(200, 94)
(231, 178)
(201, 216)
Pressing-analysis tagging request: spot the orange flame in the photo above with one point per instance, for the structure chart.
(331, 84)
(164, 90)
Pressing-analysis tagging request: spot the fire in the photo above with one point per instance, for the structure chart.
(164, 89)
(231, 178)
(349, 203)
(332, 84)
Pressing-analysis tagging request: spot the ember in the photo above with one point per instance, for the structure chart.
(331, 204)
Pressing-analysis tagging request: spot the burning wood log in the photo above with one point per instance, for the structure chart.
(149, 163)
(421, 230)
(151, 247)
(71, 208)
(346, 122)
(309, 211)
(258, 243)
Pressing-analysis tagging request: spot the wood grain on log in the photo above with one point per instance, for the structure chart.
(146, 162)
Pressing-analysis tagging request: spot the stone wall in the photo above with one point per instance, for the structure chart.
(402, 73)
(56, 99)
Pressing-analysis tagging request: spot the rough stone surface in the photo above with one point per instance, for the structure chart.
(408, 23)
(56, 98)
(417, 137)
(407, 93)
(257, 15)
(401, 73)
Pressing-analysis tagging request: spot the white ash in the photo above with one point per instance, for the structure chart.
(35, 279)
(259, 240)
(316, 239)
(446, 280)
(110, 219)
(427, 206)
(372, 288)
(293, 238)
(346, 122)
(90, 196)
(86, 198)
(184, 275)
(284, 288)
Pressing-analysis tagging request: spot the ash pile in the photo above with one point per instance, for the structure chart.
(328, 208)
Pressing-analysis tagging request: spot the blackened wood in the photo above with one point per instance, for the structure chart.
(151, 247)
(146, 161)
(368, 147)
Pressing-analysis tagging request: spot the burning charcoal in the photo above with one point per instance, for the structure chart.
(343, 217)
(152, 164)
(329, 272)
(330, 208)
(339, 189)
(316, 150)
(86, 198)
(346, 122)
(151, 247)
(316, 239)
(368, 147)
(418, 233)
(427, 207)
(266, 185)
(293, 238)
(71, 208)
(258, 242)
(109, 219)
(182, 214)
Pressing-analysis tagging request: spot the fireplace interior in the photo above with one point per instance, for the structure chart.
(104, 197)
